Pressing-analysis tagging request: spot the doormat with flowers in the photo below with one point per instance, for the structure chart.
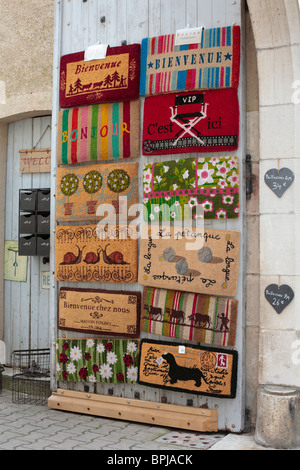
(99, 132)
(81, 189)
(92, 253)
(97, 360)
(187, 316)
(213, 63)
(191, 188)
(200, 260)
(194, 369)
(99, 311)
(115, 78)
(193, 122)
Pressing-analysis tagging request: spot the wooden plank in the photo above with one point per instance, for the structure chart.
(161, 414)
(35, 161)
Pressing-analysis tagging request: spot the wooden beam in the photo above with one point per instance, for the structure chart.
(161, 414)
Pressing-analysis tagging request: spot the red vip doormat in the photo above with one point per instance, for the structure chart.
(96, 360)
(88, 253)
(204, 261)
(99, 311)
(187, 316)
(99, 132)
(213, 63)
(193, 122)
(115, 78)
(193, 369)
(80, 189)
(172, 190)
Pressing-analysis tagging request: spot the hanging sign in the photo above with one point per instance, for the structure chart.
(279, 180)
(279, 296)
(35, 161)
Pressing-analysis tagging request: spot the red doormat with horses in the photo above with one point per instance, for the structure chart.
(188, 316)
(193, 369)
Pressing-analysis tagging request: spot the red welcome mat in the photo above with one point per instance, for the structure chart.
(99, 132)
(213, 63)
(115, 78)
(191, 122)
(188, 316)
(192, 369)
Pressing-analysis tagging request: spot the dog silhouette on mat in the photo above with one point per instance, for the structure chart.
(177, 372)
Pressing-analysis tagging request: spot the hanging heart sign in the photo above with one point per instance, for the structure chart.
(279, 180)
(279, 297)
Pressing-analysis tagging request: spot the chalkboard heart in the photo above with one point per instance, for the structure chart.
(279, 297)
(279, 180)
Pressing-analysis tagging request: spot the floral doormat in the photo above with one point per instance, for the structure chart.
(89, 253)
(115, 78)
(193, 369)
(80, 189)
(191, 188)
(193, 317)
(194, 122)
(213, 63)
(99, 132)
(97, 360)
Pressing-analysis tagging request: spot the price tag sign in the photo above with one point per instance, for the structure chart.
(279, 297)
(279, 180)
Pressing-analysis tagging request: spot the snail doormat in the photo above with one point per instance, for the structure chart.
(187, 316)
(191, 122)
(99, 311)
(92, 253)
(191, 188)
(98, 132)
(81, 189)
(205, 261)
(97, 360)
(115, 78)
(212, 63)
(193, 369)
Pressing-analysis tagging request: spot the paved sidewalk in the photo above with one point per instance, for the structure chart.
(33, 427)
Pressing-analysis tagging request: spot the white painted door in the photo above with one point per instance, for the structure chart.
(81, 24)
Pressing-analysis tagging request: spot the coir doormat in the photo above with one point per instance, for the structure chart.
(99, 311)
(191, 188)
(187, 316)
(89, 253)
(193, 369)
(213, 63)
(193, 122)
(81, 189)
(115, 78)
(99, 132)
(97, 360)
(205, 261)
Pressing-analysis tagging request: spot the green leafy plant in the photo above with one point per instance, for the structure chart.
(118, 181)
(69, 184)
(92, 182)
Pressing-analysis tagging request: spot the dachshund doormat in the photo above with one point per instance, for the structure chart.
(99, 132)
(186, 189)
(81, 189)
(194, 122)
(193, 369)
(99, 311)
(187, 316)
(213, 63)
(204, 261)
(89, 253)
(115, 78)
(97, 360)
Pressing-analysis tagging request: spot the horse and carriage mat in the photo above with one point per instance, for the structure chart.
(189, 316)
(193, 369)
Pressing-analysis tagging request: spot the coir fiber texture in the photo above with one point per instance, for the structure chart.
(81, 189)
(187, 316)
(193, 369)
(99, 311)
(213, 63)
(89, 253)
(191, 122)
(99, 132)
(115, 78)
(191, 188)
(96, 360)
